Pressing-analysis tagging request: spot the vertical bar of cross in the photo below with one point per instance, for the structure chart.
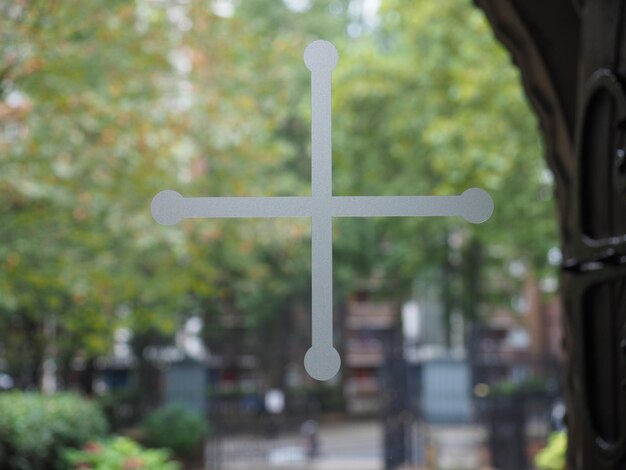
(322, 64)
(321, 191)
(322, 360)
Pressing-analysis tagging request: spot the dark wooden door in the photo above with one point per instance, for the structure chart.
(594, 278)
(572, 55)
(595, 271)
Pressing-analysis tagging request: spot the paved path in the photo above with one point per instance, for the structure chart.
(457, 447)
(346, 446)
(353, 446)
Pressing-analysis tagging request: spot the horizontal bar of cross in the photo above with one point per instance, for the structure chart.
(474, 205)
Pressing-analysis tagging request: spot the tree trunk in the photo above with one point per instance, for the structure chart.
(148, 374)
(87, 377)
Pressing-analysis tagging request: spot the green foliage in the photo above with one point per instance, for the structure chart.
(76, 244)
(34, 428)
(120, 100)
(119, 453)
(552, 457)
(430, 104)
(175, 427)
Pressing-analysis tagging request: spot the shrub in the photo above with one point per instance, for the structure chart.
(119, 453)
(34, 428)
(175, 427)
(552, 457)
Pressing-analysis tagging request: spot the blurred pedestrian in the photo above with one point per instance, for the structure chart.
(274, 405)
(309, 431)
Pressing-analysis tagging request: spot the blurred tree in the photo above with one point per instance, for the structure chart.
(430, 104)
(102, 106)
(86, 134)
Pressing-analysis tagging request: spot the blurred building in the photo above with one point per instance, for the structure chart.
(367, 325)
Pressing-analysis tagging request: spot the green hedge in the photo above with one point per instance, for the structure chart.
(35, 428)
(175, 427)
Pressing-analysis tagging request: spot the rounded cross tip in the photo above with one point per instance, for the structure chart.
(166, 207)
(322, 363)
(477, 205)
(320, 56)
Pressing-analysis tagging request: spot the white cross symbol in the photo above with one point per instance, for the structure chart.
(322, 360)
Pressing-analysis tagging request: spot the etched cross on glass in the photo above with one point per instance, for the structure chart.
(322, 360)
